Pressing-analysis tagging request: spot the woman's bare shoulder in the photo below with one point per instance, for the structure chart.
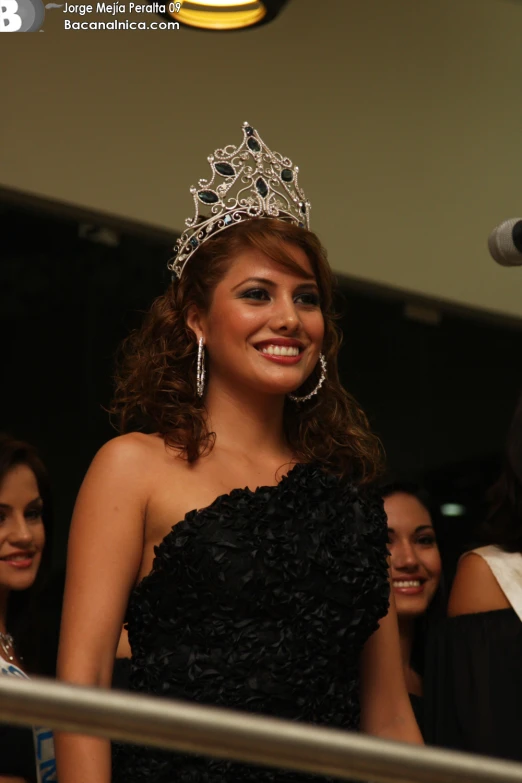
(475, 588)
(134, 448)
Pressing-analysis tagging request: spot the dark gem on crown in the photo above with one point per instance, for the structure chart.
(227, 220)
(301, 224)
(262, 187)
(249, 130)
(208, 196)
(287, 175)
(302, 207)
(253, 144)
(225, 169)
(194, 242)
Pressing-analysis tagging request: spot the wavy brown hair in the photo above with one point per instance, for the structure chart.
(156, 377)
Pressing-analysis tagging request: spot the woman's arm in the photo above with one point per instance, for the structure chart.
(104, 556)
(475, 589)
(385, 705)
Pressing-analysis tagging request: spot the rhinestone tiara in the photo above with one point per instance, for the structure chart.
(247, 182)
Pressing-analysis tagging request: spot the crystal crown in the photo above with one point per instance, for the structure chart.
(248, 181)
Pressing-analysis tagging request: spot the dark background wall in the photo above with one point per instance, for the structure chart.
(440, 394)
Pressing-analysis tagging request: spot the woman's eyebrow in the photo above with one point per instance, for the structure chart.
(417, 529)
(35, 501)
(262, 280)
(267, 282)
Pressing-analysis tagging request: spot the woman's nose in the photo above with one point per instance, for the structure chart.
(20, 532)
(286, 317)
(404, 556)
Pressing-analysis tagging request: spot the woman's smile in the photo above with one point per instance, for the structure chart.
(263, 305)
(19, 559)
(281, 350)
(415, 559)
(408, 586)
(22, 533)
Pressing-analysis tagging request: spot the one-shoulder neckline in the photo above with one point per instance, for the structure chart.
(196, 512)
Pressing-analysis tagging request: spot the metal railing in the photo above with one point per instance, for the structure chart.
(221, 733)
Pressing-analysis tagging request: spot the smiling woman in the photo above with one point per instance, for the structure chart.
(24, 520)
(416, 570)
(239, 537)
(259, 274)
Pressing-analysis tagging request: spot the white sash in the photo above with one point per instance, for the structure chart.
(43, 738)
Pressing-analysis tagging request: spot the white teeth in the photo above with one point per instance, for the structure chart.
(280, 350)
(406, 583)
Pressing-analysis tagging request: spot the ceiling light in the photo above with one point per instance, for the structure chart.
(452, 510)
(226, 14)
(220, 14)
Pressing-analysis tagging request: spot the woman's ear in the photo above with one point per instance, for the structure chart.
(195, 322)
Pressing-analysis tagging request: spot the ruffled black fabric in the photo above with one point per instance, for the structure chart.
(260, 602)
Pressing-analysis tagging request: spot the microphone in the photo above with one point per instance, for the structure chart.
(505, 243)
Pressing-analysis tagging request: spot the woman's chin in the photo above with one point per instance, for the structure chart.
(276, 386)
(19, 580)
(19, 585)
(410, 608)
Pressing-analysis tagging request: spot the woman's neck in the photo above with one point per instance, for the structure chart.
(406, 635)
(247, 424)
(406, 638)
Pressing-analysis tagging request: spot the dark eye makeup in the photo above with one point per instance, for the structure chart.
(310, 299)
(259, 294)
(427, 540)
(424, 540)
(34, 513)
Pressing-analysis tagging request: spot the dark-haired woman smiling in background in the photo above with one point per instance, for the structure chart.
(483, 702)
(416, 574)
(25, 756)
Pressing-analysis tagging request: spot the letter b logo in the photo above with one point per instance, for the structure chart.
(21, 16)
(10, 19)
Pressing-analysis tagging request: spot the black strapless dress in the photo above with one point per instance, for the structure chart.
(260, 602)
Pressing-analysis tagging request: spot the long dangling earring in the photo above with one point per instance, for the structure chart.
(319, 382)
(200, 376)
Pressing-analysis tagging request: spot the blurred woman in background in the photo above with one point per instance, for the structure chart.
(483, 678)
(416, 570)
(25, 755)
